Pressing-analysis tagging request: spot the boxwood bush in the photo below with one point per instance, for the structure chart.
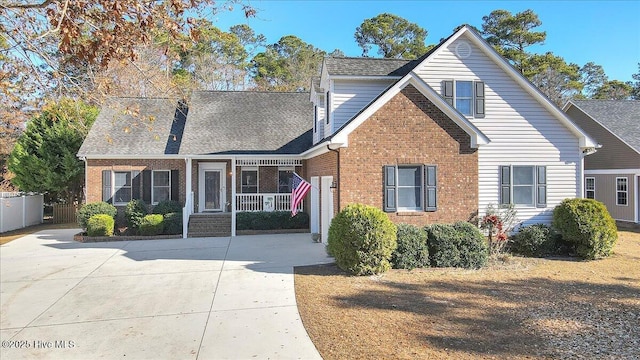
(412, 251)
(91, 209)
(173, 223)
(100, 225)
(167, 206)
(134, 212)
(271, 220)
(362, 239)
(535, 240)
(151, 224)
(587, 226)
(456, 245)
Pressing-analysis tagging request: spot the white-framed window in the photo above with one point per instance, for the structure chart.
(410, 188)
(285, 176)
(466, 96)
(121, 187)
(622, 191)
(249, 180)
(590, 188)
(161, 186)
(523, 185)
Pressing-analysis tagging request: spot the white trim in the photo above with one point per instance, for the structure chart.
(153, 202)
(636, 201)
(233, 196)
(477, 137)
(317, 150)
(249, 168)
(585, 187)
(585, 141)
(571, 103)
(622, 191)
(269, 162)
(202, 167)
(613, 172)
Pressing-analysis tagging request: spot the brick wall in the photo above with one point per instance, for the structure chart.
(409, 129)
(95, 168)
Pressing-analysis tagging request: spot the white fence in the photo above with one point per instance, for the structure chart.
(18, 211)
(264, 202)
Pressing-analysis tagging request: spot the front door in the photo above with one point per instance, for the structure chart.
(211, 187)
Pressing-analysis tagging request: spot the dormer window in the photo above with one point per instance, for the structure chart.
(466, 96)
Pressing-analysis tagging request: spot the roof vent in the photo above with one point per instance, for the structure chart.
(463, 49)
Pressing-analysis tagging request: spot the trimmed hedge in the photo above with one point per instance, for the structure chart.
(151, 224)
(100, 225)
(167, 206)
(173, 223)
(587, 226)
(88, 210)
(362, 239)
(134, 212)
(535, 240)
(412, 251)
(458, 245)
(271, 220)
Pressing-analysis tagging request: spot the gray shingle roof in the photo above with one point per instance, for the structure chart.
(368, 66)
(621, 117)
(222, 122)
(135, 126)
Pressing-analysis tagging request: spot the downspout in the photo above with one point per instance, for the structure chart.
(86, 172)
(337, 173)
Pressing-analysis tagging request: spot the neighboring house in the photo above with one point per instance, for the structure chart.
(435, 139)
(612, 174)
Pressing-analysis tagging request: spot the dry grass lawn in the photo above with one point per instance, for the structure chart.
(515, 308)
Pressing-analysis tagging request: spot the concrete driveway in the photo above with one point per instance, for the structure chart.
(199, 298)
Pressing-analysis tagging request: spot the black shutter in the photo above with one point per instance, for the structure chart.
(136, 192)
(175, 185)
(505, 185)
(328, 108)
(146, 186)
(447, 91)
(541, 186)
(479, 98)
(315, 118)
(390, 188)
(431, 187)
(106, 186)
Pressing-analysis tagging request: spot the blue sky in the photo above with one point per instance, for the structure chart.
(605, 32)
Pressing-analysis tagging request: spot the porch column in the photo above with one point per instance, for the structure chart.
(188, 201)
(233, 196)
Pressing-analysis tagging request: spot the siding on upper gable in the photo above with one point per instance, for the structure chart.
(614, 154)
(521, 130)
(320, 119)
(351, 96)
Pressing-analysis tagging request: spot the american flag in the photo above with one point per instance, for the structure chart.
(299, 188)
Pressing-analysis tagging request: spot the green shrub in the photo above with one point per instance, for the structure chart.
(457, 245)
(100, 225)
(412, 251)
(274, 220)
(152, 224)
(167, 206)
(96, 208)
(587, 225)
(362, 239)
(536, 240)
(173, 223)
(134, 213)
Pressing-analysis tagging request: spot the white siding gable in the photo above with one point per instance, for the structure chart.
(521, 130)
(351, 96)
(319, 119)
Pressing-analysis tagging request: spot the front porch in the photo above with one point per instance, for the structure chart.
(255, 184)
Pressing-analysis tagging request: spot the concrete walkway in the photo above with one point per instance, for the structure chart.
(199, 298)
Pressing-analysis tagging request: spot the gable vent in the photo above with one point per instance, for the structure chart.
(463, 50)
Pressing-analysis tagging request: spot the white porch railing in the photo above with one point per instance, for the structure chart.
(265, 202)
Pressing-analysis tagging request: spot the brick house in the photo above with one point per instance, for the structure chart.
(435, 139)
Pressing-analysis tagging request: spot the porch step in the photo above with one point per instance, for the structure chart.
(209, 225)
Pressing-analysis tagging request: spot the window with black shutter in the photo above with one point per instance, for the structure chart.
(523, 185)
(468, 97)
